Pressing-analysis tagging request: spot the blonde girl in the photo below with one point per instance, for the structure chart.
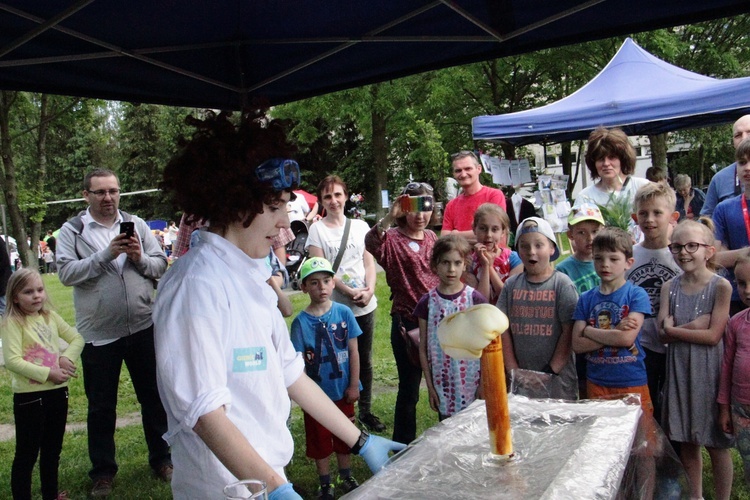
(492, 261)
(40, 372)
(692, 317)
(451, 383)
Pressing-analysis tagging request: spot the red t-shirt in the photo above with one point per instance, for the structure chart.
(459, 213)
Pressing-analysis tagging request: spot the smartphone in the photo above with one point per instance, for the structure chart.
(417, 203)
(127, 228)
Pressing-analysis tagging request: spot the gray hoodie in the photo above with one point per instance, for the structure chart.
(109, 304)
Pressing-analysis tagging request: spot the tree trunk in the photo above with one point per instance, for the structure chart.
(41, 176)
(10, 188)
(380, 158)
(659, 150)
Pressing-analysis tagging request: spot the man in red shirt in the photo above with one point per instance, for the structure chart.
(459, 213)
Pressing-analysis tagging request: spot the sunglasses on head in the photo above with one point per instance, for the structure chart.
(280, 173)
(463, 154)
(414, 187)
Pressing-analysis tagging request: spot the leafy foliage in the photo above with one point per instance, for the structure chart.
(617, 211)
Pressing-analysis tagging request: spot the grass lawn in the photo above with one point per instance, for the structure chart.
(134, 480)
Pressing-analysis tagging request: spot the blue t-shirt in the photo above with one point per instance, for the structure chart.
(724, 185)
(614, 366)
(324, 344)
(729, 223)
(581, 272)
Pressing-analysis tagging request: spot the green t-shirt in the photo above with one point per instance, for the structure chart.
(582, 273)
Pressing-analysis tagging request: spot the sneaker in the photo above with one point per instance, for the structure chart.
(348, 484)
(164, 472)
(102, 487)
(326, 492)
(372, 422)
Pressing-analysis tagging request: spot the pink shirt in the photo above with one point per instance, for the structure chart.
(459, 213)
(734, 384)
(407, 266)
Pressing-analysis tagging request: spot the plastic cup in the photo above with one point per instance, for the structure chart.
(247, 489)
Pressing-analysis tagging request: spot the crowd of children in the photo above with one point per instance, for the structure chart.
(651, 319)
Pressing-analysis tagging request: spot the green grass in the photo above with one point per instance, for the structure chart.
(135, 481)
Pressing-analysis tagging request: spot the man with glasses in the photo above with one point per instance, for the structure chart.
(113, 276)
(459, 213)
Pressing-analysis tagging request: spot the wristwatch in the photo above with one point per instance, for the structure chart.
(360, 442)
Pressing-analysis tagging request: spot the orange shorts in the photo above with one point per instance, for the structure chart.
(596, 391)
(319, 441)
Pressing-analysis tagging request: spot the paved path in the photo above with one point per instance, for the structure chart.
(8, 431)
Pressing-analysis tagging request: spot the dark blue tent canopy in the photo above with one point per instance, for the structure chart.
(635, 91)
(221, 53)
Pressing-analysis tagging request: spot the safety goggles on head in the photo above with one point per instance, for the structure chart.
(416, 187)
(280, 173)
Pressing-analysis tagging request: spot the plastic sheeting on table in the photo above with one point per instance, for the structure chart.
(562, 450)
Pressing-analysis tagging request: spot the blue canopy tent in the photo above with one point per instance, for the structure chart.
(223, 53)
(635, 91)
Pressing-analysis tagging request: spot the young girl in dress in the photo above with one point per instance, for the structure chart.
(492, 261)
(693, 314)
(451, 383)
(40, 372)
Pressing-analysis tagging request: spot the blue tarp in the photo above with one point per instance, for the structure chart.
(161, 225)
(222, 53)
(636, 91)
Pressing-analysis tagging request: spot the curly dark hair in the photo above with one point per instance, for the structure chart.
(212, 176)
(610, 142)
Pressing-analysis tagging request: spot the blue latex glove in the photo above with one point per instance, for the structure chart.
(284, 492)
(375, 451)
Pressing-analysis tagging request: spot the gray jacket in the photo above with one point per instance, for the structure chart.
(108, 304)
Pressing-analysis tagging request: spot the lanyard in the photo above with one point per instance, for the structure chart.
(746, 216)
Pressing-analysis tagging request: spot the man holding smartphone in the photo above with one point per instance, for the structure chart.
(111, 259)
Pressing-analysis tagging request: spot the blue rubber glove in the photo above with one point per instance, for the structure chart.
(375, 451)
(284, 492)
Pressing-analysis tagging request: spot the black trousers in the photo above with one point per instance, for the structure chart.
(40, 427)
(409, 378)
(101, 378)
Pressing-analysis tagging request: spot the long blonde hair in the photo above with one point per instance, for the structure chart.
(17, 282)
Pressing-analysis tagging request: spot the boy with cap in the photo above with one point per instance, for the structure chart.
(540, 303)
(326, 334)
(583, 224)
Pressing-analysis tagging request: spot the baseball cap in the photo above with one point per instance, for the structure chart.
(315, 265)
(537, 225)
(586, 211)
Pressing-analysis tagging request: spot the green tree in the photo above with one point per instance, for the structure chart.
(26, 124)
(147, 135)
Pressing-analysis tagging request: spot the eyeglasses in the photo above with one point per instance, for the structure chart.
(280, 173)
(413, 187)
(691, 247)
(101, 193)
